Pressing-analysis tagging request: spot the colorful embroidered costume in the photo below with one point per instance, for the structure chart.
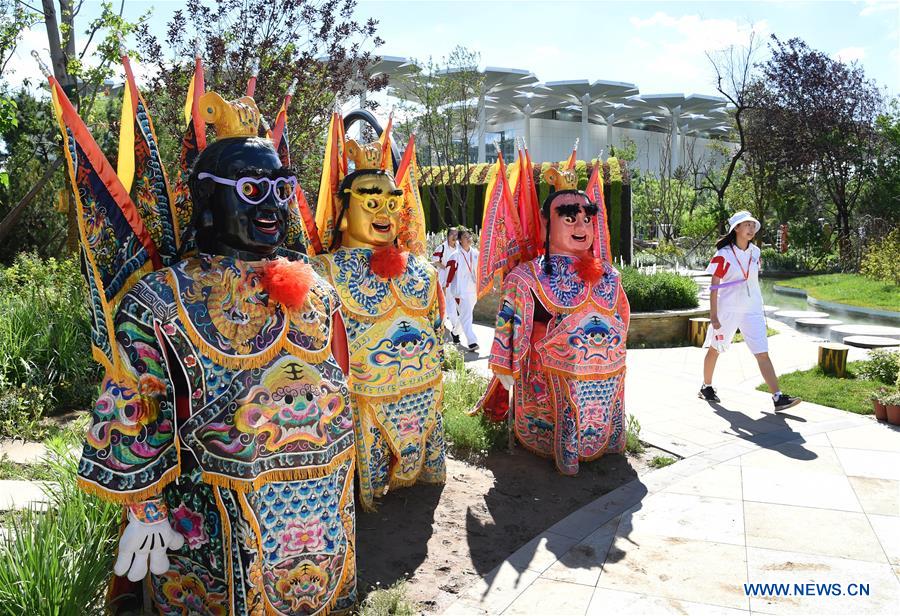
(255, 464)
(224, 423)
(392, 307)
(563, 340)
(559, 342)
(393, 332)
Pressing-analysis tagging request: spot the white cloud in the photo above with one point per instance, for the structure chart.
(676, 46)
(849, 54)
(879, 6)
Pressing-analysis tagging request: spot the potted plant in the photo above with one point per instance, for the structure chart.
(880, 409)
(892, 404)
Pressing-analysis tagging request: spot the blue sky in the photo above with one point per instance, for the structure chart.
(659, 46)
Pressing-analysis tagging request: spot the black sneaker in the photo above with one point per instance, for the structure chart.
(474, 347)
(784, 402)
(708, 393)
(455, 338)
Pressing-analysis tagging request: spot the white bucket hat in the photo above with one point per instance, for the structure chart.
(742, 216)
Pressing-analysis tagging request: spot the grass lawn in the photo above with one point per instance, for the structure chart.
(851, 289)
(850, 394)
(739, 337)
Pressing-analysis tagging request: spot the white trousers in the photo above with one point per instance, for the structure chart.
(465, 307)
(451, 312)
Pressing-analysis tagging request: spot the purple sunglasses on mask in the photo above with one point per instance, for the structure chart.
(255, 190)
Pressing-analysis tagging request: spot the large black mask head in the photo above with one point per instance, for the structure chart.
(241, 196)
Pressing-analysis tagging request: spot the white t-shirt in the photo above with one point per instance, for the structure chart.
(441, 256)
(464, 283)
(733, 264)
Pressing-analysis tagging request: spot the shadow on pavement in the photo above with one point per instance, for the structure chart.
(760, 431)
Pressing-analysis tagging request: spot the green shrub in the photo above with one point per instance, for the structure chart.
(467, 434)
(881, 260)
(661, 461)
(699, 226)
(633, 442)
(21, 410)
(45, 330)
(790, 261)
(391, 601)
(883, 365)
(659, 291)
(59, 561)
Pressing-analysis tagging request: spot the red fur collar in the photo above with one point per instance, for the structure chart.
(589, 269)
(388, 261)
(287, 282)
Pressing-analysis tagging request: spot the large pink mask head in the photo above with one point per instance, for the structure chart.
(570, 216)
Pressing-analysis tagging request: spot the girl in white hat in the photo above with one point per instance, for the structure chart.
(735, 302)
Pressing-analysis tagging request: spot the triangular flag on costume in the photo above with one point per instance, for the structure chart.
(594, 191)
(500, 244)
(279, 132)
(334, 169)
(387, 159)
(116, 247)
(192, 143)
(140, 169)
(534, 203)
(412, 216)
(570, 164)
(254, 73)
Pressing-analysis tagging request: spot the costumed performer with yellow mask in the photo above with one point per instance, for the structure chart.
(393, 307)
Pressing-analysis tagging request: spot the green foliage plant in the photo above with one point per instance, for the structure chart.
(466, 434)
(633, 444)
(58, 561)
(881, 260)
(658, 291)
(45, 331)
(390, 601)
(883, 365)
(661, 461)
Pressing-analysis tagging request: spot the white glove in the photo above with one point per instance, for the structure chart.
(142, 542)
(718, 341)
(506, 380)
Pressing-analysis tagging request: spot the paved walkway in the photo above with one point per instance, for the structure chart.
(812, 495)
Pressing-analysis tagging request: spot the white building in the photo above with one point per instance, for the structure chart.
(602, 114)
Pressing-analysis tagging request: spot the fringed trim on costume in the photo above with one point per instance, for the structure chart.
(292, 474)
(310, 357)
(592, 376)
(132, 497)
(388, 398)
(397, 483)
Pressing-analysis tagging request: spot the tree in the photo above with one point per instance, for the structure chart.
(821, 125)
(441, 105)
(734, 77)
(316, 42)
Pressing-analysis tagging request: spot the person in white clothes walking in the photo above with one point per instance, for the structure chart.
(463, 287)
(735, 302)
(446, 267)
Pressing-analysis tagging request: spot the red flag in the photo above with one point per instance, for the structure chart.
(535, 205)
(594, 191)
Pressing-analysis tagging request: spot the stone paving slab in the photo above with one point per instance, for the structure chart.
(16, 494)
(22, 452)
(812, 495)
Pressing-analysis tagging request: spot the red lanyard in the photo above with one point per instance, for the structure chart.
(749, 263)
(468, 262)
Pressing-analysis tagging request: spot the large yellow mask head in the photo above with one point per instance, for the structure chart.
(371, 214)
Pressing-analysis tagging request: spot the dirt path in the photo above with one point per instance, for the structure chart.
(442, 538)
